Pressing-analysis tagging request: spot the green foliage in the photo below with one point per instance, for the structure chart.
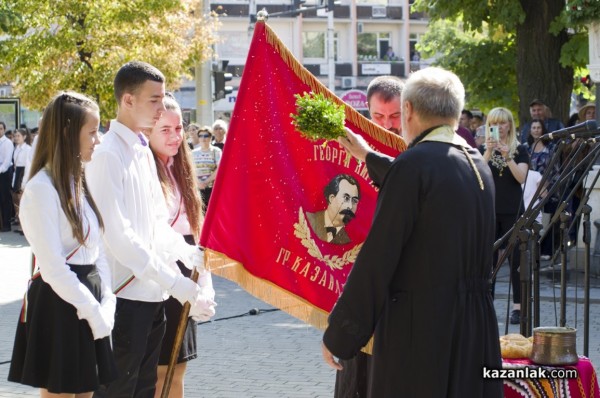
(582, 11)
(485, 65)
(318, 117)
(475, 14)
(478, 43)
(80, 45)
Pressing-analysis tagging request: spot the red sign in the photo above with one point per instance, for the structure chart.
(356, 99)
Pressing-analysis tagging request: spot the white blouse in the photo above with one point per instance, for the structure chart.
(177, 214)
(21, 155)
(49, 233)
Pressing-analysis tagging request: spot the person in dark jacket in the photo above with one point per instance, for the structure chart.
(426, 298)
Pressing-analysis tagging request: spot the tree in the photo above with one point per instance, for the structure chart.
(80, 45)
(485, 64)
(546, 54)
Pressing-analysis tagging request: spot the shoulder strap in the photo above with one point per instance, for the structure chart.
(36, 273)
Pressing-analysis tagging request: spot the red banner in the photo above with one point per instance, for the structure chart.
(266, 226)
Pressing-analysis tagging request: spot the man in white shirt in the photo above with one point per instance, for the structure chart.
(6, 172)
(139, 241)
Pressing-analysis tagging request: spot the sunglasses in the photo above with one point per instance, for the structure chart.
(204, 135)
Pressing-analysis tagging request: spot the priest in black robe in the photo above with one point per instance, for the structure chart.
(421, 282)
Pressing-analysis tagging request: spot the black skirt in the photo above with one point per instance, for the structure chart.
(54, 349)
(173, 309)
(18, 178)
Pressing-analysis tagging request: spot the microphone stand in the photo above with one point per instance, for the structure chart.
(587, 232)
(525, 278)
(527, 218)
(535, 259)
(586, 209)
(563, 215)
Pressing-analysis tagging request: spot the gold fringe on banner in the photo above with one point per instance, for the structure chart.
(373, 130)
(223, 266)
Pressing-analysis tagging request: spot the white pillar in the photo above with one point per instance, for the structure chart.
(330, 52)
(406, 34)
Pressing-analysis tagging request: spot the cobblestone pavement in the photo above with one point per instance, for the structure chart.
(267, 355)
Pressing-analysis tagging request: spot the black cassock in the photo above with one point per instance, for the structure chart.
(421, 280)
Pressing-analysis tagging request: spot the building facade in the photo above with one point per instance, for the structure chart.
(371, 38)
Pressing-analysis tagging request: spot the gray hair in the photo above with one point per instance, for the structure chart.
(435, 92)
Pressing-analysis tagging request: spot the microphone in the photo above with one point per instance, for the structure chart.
(586, 129)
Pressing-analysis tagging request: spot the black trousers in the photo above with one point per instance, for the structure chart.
(504, 222)
(136, 337)
(6, 203)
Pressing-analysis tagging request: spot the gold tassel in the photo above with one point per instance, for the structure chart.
(221, 265)
(473, 167)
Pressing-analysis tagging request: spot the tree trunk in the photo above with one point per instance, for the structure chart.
(539, 73)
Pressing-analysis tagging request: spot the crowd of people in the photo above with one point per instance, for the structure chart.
(518, 159)
(115, 237)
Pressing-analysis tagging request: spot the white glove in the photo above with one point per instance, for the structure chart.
(204, 308)
(108, 306)
(184, 290)
(102, 321)
(194, 259)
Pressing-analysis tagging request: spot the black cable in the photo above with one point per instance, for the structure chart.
(252, 311)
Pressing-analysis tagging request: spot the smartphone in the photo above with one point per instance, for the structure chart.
(495, 133)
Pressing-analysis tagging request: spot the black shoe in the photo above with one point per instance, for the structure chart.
(5, 229)
(515, 317)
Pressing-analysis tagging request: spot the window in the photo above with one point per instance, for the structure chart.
(313, 44)
(234, 45)
(372, 46)
(372, 2)
(414, 54)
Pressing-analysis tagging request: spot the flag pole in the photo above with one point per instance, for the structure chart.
(183, 320)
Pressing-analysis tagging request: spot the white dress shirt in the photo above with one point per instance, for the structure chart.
(51, 238)
(6, 153)
(123, 181)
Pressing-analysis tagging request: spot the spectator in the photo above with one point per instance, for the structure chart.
(33, 133)
(219, 129)
(20, 156)
(476, 122)
(587, 112)
(390, 55)
(192, 132)
(465, 120)
(509, 163)
(540, 154)
(206, 160)
(539, 110)
(480, 137)
(6, 173)
(466, 135)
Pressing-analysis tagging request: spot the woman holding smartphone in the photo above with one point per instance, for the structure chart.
(509, 163)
